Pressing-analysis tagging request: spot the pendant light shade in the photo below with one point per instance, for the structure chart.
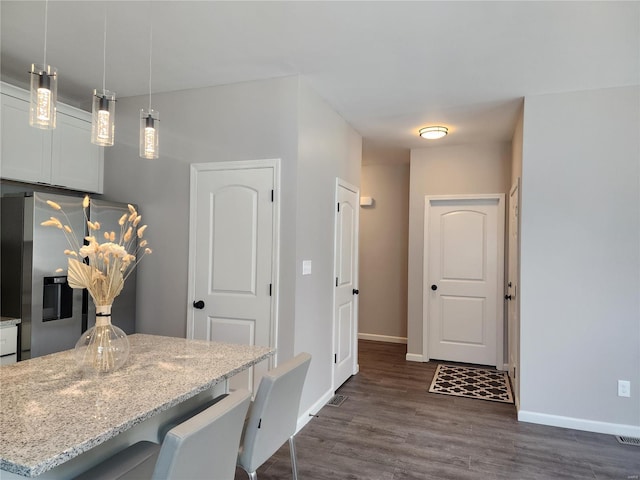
(103, 104)
(149, 118)
(44, 88)
(149, 133)
(44, 96)
(102, 119)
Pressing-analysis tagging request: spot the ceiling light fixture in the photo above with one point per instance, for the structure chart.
(149, 118)
(434, 132)
(103, 104)
(44, 88)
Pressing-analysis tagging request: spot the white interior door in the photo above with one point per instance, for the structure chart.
(345, 304)
(512, 296)
(232, 257)
(463, 278)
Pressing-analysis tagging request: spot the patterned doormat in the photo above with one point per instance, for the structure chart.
(472, 382)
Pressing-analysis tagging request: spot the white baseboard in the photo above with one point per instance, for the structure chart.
(579, 424)
(306, 417)
(414, 357)
(381, 338)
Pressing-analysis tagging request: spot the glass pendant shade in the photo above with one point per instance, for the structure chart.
(44, 96)
(149, 133)
(102, 118)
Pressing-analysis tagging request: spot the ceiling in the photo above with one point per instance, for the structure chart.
(388, 68)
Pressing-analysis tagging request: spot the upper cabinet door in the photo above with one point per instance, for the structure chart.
(64, 157)
(76, 163)
(25, 151)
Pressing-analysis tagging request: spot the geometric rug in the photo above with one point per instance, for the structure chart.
(472, 382)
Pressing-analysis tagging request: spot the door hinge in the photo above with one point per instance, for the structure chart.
(338, 206)
(335, 358)
(270, 288)
(259, 423)
(272, 195)
(514, 372)
(336, 281)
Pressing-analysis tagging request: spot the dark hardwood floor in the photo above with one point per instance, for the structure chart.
(391, 428)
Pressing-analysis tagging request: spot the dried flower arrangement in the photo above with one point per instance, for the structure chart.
(109, 265)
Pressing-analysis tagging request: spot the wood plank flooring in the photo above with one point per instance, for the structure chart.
(391, 428)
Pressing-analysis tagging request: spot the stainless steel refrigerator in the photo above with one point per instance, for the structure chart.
(33, 268)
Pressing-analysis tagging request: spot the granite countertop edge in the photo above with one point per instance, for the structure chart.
(8, 321)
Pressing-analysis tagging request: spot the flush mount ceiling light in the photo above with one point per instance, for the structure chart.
(434, 132)
(103, 105)
(44, 89)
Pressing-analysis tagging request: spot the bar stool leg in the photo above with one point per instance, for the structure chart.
(292, 450)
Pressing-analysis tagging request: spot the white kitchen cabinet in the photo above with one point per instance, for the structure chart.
(63, 157)
(8, 344)
(23, 148)
(75, 161)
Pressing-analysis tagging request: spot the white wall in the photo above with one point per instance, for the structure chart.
(236, 122)
(328, 148)
(384, 240)
(464, 169)
(580, 260)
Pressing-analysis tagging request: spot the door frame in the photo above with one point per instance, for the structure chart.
(195, 169)
(514, 369)
(499, 197)
(354, 334)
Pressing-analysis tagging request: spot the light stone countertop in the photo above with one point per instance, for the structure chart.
(8, 321)
(51, 412)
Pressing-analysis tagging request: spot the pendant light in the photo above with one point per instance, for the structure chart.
(44, 88)
(103, 104)
(149, 118)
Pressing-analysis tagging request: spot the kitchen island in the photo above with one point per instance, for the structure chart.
(56, 421)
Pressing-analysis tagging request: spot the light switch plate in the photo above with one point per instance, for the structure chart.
(306, 267)
(624, 388)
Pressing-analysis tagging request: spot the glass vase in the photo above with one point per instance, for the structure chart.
(104, 347)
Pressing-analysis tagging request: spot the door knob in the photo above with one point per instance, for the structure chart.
(434, 287)
(199, 304)
(356, 291)
(507, 297)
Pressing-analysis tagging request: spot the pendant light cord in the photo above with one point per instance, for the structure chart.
(46, 16)
(150, 54)
(104, 51)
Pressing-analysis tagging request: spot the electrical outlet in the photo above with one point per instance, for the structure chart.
(624, 388)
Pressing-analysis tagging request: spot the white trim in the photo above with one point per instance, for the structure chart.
(355, 367)
(306, 416)
(381, 338)
(516, 187)
(273, 163)
(415, 357)
(579, 424)
(500, 199)
(505, 367)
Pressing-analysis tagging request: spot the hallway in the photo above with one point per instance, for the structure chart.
(390, 428)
